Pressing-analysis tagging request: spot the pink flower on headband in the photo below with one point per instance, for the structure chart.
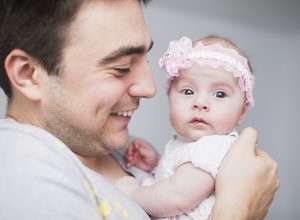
(176, 57)
(181, 55)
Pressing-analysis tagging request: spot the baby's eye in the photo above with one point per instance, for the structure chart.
(187, 92)
(220, 94)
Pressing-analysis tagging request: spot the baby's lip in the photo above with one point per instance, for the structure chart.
(198, 120)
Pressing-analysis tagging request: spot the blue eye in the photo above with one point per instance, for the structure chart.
(187, 92)
(220, 94)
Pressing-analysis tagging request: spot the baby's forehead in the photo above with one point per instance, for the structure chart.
(206, 73)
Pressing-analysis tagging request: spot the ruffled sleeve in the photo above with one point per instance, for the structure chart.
(208, 152)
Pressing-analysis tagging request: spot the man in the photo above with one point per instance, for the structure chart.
(74, 72)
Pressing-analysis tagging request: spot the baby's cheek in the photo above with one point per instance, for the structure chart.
(226, 124)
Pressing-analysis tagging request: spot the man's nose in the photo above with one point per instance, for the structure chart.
(143, 82)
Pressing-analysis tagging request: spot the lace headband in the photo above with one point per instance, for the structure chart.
(181, 55)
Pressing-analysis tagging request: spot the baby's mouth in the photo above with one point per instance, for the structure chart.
(198, 121)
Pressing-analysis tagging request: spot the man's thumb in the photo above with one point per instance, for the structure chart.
(248, 139)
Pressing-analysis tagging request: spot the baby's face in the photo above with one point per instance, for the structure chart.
(205, 101)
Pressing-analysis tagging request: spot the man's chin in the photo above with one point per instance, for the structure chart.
(119, 140)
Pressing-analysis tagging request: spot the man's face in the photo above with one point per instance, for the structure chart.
(104, 73)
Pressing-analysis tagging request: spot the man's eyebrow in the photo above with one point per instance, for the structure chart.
(124, 51)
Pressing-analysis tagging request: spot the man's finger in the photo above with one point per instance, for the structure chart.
(261, 153)
(248, 139)
(266, 157)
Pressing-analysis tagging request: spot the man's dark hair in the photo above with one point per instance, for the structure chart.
(38, 27)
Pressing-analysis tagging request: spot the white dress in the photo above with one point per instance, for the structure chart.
(207, 153)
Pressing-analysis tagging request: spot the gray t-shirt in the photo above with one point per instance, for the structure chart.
(42, 179)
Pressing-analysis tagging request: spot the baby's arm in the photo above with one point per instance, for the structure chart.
(179, 194)
(141, 155)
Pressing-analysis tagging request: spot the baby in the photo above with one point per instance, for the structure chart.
(209, 88)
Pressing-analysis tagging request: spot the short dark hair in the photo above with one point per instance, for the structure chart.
(38, 27)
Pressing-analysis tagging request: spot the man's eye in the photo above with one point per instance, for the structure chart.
(187, 92)
(220, 94)
(122, 71)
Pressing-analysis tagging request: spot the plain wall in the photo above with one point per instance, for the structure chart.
(269, 33)
(3, 103)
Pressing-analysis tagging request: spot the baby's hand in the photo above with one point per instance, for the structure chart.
(127, 185)
(141, 155)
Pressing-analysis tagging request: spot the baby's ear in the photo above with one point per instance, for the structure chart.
(243, 114)
(21, 71)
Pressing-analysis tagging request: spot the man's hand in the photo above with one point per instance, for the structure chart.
(141, 155)
(246, 182)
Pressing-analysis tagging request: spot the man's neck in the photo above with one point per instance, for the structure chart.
(106, 166)
(26, 115)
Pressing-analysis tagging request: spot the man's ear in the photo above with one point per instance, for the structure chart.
(22, 72)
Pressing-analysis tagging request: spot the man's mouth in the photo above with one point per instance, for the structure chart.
(124, 113)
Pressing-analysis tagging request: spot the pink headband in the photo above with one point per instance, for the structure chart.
(181, 55)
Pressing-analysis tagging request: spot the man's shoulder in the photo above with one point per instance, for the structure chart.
(38, 172)
(25, 146)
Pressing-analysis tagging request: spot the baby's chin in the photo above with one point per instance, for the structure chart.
(196, 136)
(192, 138)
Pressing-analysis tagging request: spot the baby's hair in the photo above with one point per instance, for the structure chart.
(213, 39)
